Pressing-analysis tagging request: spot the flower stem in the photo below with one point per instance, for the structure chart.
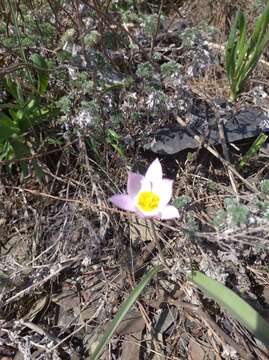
(157, 243)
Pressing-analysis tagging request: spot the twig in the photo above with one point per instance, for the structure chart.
(40, 283)
(223, 140)
(158, 245)
(80, 327)
(36, 156)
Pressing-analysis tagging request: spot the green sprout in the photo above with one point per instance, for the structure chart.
(243, 53)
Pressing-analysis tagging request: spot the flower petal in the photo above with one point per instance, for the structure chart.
(123, 201)
(154, 172)
(169, 212)
(134, 183)
(163, 189)
(147, 214)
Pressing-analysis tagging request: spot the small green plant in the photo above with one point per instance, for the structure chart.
(145, 71)
(189, 35)
(23, 114)
(114, 140)
(170, 68)
(220, 219)
(253, 150)
(92, 38)
(264, 185)
(243, 53)
(234, 215)
(182, 201)
(237, 214)
(151, 23)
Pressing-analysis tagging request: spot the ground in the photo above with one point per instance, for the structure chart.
(128, 82)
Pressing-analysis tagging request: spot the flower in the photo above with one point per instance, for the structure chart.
(148, 195)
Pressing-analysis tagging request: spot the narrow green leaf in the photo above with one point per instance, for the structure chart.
(244, 73)
(230, 53)
(242, 43)
(6, 151)
(7, 127)
(234, 304)
(124, 308)
(14, 88)
(255, 147)
(24, 169)
(242, 27)
(42, 73)
(20, 149)
(38, 171)
(259, 29)
(242, 54)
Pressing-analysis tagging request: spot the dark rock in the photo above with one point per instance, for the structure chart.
(245, 124)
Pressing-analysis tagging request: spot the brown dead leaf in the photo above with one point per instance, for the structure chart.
(38, 306)
(69, 303)
(132, 323)
(196, 351)
(131, 346)
(140, 230)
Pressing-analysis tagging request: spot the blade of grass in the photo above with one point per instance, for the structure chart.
(255, 147)
(251, 60)
(234, 304)
(242, 43)
(42, 73)
(260, 27)
(242, 27)
(231, 50)
(124, 308)
(242, 54)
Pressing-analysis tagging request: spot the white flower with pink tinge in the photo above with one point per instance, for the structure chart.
(148, 195)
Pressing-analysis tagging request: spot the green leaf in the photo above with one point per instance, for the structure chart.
(242, 54)
(14, 88)
(255, 147)
(6, 151)
(260, 28)
(38, 171)
(20, 149)
(242, 27)
(234, 304)
(7, 127)
(231, 48)
(24, 169)
(124, 308)
(42, 73)
(242, 43)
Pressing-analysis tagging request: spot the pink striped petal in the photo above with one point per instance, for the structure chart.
(134, 183)
(154, 172)
(169, 212)
(122, 201)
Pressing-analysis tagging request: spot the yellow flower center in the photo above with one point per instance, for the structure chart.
(148, 201)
